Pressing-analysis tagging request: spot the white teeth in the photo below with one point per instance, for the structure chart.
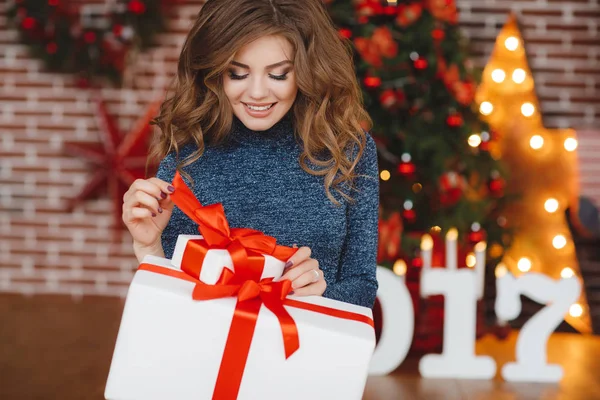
(254, 108)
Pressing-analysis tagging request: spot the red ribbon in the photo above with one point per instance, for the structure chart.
(246, 247)
(250, 296)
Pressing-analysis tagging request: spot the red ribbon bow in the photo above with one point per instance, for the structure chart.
(246, 247)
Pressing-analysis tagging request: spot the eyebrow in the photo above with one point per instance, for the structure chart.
(278, 64)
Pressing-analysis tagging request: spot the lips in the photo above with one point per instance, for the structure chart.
(262, 107)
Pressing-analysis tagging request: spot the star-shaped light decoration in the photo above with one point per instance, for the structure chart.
(119, 159)
(542, 168)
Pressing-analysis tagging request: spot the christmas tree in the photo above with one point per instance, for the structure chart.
(436, 155)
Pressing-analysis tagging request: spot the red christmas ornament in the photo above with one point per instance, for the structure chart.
(345, 33)
(51, 48)
(390, 10)
(454, 120)
(476, 236)
(53, 3)
(420, 63)
(452, 186)
(409, 215)
(497, 186)
(89, 37)
(136, 7)
(388, 98)
(118, 159)
(372, 82)
(438, 34)
(407, 168)
(28, 23)
(417, 262)
(117, 30)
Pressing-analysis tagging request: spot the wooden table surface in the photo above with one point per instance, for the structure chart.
(55, 348)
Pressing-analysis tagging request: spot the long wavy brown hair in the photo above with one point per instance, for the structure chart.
(328, 114)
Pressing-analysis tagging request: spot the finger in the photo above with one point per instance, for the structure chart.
(164, 186)
(153, 186)
(139, 213)
(307, 278)
(314, 289)
(294, 272)
(145, 200)
(302, 254)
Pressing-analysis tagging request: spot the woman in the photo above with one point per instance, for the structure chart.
(265, 117)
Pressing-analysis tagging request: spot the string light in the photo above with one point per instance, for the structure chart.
(527, 109)
(511, 43)
(559, 241)
(474, 140)
(498, 75)
(536, 142)
(567, 273)
(576, 310)
(470, 260)
(385, 175)
(551, 205)
(524, 264)
(501, 270)
(399, 267)
(519, 75)
(570, 144)
(486, 108)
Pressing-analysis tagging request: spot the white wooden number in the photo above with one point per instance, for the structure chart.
(398, 323)
(458, 359)
(531, 364)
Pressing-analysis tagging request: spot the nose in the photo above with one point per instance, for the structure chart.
(258, 88)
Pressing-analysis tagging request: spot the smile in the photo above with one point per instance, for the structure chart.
(259, 108)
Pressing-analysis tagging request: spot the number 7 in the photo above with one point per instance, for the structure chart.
(531, 364)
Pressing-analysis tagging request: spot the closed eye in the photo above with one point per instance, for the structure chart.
(281, 77)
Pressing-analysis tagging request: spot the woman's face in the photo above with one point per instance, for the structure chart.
(260, 83)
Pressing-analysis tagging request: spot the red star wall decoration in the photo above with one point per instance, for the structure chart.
(119, 159)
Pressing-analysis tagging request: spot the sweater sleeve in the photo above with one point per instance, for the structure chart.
(356, 281)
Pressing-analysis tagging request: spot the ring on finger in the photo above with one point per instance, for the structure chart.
(317, 275)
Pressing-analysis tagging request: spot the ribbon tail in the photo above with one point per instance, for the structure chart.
(237, 349)
(184, 198)
(289, 330)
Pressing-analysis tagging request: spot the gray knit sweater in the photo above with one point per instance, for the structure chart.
(259, 181)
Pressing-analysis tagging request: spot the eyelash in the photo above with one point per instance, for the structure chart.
(282, 77)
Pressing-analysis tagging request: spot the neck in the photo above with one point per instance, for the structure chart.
(282, 131)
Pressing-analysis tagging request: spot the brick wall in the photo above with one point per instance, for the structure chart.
(44, 250)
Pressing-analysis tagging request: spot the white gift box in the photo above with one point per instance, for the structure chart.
(170, 346)
(219, 258)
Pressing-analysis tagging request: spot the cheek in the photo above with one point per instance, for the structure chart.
(233, 89)
(288, 90)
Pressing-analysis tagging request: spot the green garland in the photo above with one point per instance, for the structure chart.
(89, 40)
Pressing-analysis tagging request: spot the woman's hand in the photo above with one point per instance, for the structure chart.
(307, 279)
(147, 208)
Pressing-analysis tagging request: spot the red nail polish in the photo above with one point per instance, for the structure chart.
(288, 265)
(163, 195)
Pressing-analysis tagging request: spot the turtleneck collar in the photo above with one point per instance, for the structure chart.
(282, 131)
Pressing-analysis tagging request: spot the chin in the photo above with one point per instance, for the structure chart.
(258, 124)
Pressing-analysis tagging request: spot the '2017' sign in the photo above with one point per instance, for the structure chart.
(458, 359)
